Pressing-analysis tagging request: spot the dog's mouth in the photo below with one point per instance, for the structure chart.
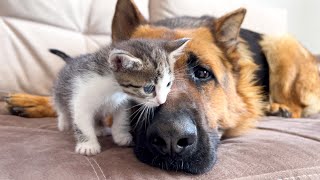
(189, 155)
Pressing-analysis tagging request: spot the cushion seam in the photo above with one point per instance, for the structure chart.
(290, 133)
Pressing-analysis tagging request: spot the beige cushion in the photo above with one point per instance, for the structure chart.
(264, 20)
(29, 28)
(278, 149)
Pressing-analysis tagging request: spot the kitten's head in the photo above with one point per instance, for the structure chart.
(144, 68)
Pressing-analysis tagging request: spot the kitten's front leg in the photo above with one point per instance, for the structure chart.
(121, 127)
(87, 141)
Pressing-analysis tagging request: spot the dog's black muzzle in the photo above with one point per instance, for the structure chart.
(175, 139)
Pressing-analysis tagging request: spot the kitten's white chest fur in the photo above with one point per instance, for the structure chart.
(99, 94)
(96, 91)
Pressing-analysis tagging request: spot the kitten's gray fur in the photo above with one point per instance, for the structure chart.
(99, 84)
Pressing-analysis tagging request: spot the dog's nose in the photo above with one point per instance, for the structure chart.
(172, 137)
(172, 145)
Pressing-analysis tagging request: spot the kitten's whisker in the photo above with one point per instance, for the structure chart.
(146, 118)
(147, 122)
(134, 106)
(141, 113)
(152, 111)
(136, 112)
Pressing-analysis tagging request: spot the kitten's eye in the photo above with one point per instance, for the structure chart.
(169, 83)
(202, 73)
(149, 89)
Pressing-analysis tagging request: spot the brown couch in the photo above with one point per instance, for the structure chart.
(34, 149)
(278, 149)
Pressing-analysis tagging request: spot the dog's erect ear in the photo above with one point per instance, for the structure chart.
(126, 19)
(227, 28)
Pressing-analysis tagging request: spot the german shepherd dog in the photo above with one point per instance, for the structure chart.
(227, 78)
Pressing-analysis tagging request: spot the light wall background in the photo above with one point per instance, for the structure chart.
(303, 17)
(300, 18)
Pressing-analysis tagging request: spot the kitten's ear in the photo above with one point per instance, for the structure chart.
(120, 60)
(175, 48)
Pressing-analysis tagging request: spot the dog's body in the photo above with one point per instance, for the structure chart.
(227, 78)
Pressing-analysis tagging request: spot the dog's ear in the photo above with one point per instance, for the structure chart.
(227, 29)
(126, 19)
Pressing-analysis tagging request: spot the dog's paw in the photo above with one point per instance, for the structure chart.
(30, 106)
(280, 110)
(18, 111)
(122, 138)
(102, 131)
(88, 148)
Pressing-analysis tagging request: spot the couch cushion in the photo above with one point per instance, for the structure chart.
(278, 149)
(29, 28)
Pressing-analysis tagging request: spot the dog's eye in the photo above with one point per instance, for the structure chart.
(202, 73)
(199, 73)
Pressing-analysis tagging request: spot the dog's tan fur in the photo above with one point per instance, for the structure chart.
(244, 102)
(294, 76)
(236, 103)
(31, 106)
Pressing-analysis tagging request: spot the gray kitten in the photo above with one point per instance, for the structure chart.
(100, 84)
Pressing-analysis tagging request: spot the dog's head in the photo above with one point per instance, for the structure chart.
(213, 88)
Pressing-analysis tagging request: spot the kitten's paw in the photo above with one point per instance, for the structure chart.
(103, 131)
(122, 138)
(88, 148)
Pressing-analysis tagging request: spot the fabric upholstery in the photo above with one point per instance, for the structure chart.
(278, 149)
(34, 149)
(29, 28)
